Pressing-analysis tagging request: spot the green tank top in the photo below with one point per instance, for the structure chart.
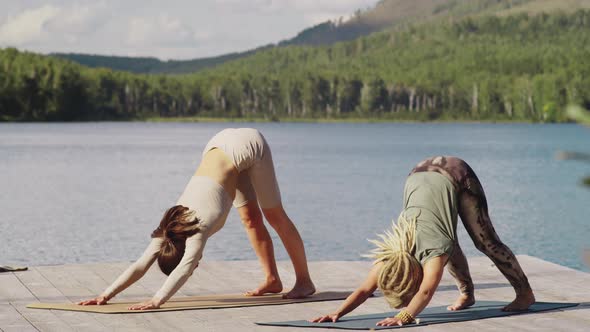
(430, 198)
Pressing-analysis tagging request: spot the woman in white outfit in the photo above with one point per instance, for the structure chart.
(236, 166)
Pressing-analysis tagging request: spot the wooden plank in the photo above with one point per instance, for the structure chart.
(223, 278)
(19, 295)
(203, 282)
(65, 279)
(151, 283)
(44, 291)
(144, 289)
(551, 282)
(65, 282)
(345, 276)
(12, 290)
(12, 320)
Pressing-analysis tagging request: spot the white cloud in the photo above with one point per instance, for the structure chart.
(28, 26)
(50, 23)
(317, 18)
(240, 6)
(335, 8)
(79, 19)
(329, 9)
(161, 30)
(178, 29)
(316, 12)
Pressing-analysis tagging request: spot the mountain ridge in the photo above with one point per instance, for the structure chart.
(386, 14)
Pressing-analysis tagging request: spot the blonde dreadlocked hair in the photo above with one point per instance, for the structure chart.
(401, 275)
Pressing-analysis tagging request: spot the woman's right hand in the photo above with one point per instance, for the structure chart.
(99, 300)
(355, 299)
(327, 318)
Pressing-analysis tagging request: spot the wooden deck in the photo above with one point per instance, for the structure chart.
(64, 283)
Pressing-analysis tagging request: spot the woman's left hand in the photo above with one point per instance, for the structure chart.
(392, 321)
(146, 305)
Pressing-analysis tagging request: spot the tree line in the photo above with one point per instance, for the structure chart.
(516, 67)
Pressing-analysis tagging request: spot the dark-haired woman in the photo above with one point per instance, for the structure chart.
(236, 167)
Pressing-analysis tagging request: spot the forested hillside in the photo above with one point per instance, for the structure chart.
(386, 15)
(517, 67)
(389, 14)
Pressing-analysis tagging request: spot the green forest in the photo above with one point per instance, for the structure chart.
(520, 67)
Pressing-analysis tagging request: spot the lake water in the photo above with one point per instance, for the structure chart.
(89, 192)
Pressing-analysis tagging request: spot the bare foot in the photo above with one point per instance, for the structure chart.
(300, 290)
(522, 302)
(269, 286)
(464, 301)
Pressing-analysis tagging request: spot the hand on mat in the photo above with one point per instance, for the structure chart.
(393, 321)
(327, 318)
(146, 305)
(100, 300)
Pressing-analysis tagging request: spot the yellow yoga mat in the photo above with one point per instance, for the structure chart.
(194, 302)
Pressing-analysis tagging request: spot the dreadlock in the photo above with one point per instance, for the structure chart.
(401, 275)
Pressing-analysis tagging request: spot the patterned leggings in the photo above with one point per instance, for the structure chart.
(473, 210)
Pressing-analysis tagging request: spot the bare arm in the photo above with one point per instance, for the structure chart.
(358, 297)
(433, 271)
(133, 273)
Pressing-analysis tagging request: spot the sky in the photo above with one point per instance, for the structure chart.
(171, 29)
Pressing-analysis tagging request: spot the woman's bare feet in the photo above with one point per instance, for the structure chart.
(301, 290)
(464, 301)
(522, 302)
(272, 285)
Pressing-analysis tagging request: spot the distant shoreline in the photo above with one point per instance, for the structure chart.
(324, 120)
(205, 119)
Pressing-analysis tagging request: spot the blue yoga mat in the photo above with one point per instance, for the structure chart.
(434, 315)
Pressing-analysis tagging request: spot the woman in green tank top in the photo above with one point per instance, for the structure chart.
(411, 258)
